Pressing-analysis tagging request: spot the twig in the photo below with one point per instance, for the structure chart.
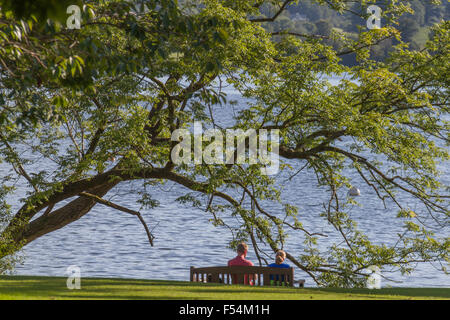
(119, 207)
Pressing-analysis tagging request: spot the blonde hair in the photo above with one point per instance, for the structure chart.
(242, 248)
(280, 256)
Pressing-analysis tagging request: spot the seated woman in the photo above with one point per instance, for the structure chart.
(280, 256)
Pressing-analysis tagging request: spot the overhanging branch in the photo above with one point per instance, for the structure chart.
(283, 6)
(123, 209)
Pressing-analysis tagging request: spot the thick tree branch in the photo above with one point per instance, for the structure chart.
(121, 208)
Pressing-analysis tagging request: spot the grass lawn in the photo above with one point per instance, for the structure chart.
(30, 287)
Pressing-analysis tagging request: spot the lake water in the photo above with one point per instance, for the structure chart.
(109, 243)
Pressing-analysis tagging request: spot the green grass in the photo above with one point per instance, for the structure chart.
(29, 287)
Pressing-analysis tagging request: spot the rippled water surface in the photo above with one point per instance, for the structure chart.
(109, 243)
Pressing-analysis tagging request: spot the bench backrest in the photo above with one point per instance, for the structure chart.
(263, 276)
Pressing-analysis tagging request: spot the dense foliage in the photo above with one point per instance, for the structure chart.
(100, 103)
(308, 17)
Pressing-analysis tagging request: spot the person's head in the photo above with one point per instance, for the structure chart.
(280, 256)
(242, 249)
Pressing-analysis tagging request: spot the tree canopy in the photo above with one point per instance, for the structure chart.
(100, 103)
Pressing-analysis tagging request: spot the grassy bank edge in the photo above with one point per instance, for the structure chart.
(43, 288)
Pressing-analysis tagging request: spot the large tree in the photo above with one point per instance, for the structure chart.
(100, 104)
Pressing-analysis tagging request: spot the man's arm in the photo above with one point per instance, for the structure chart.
(252, 277)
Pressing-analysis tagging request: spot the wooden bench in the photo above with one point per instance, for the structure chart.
(263, 276)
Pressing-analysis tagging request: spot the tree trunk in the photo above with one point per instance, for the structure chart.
(61, 217)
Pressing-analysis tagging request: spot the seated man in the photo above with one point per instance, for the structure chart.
(280, 256)
(240, 260)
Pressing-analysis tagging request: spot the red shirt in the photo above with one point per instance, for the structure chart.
(240, 261)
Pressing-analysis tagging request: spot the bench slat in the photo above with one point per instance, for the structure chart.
(238, 274)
